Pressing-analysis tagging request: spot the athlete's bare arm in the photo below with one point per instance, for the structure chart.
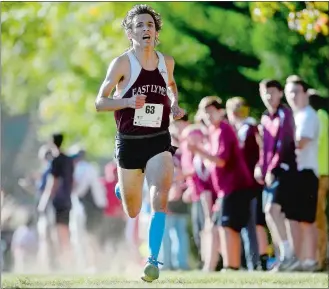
(116, 73)
(170, 62)
(173, 93)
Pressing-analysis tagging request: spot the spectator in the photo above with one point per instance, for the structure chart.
(175, 244)
(293, 77)
(200, 191)
(276, 169)
(92, 195)
(24, 246)
(227, 166)
(320, 104)
(307, 134)
(46, 155)
(114, 221)
(59, 191)
(46, 218)
(255, 238)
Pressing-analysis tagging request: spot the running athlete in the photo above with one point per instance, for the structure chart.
(143, 78)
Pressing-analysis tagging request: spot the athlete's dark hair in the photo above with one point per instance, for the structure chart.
(138, 10)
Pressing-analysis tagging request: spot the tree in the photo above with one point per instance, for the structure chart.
(55, 56)
(307, 18)
(288, 52)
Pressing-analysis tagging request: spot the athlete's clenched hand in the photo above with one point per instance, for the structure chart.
(137, 101)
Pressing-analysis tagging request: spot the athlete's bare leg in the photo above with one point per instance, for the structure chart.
(131, 185)
(159, 176)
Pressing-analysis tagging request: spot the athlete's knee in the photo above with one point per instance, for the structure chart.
(132, 212)
(161, 187)
(159, 200)
(132, 205)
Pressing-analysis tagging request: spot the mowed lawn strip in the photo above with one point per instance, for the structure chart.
(189, 279)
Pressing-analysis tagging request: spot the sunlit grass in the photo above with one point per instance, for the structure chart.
(191, 279)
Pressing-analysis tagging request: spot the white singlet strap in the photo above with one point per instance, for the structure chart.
(163, 67)
(135, 69)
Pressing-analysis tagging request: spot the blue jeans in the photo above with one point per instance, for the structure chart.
(198, 219)
(249, 238)
(175, 242)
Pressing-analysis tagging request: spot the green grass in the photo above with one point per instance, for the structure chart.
(191, 279)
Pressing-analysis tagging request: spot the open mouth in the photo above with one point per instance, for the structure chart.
(146, 37)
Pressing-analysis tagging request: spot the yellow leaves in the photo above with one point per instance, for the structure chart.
(310, 21)
(322, 6)
(258, 16)
(47, 109)
(261, 11)
(94, 11)
(49, 29)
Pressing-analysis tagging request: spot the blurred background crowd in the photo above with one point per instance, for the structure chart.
(83, 228)
(77, 221)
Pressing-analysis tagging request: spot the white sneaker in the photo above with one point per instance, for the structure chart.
(290, 264)
(310, 266)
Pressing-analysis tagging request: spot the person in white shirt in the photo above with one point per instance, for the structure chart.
(307, 134)
(25, 245)
(86, 177)
(92, 195)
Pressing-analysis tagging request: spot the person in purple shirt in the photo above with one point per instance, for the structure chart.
(200, 192)
(177, 210)
(276, 169)
(231, 179)
(254, 236)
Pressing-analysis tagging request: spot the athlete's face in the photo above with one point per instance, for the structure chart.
(143, 31)
(271, 97)
(297, 98)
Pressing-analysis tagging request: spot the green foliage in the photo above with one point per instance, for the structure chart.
(55, 56)
(307, 18)
(58, 53)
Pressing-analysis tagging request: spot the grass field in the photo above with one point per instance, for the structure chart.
(192, 279)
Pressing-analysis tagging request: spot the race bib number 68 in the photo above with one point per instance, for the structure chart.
(150, 115)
